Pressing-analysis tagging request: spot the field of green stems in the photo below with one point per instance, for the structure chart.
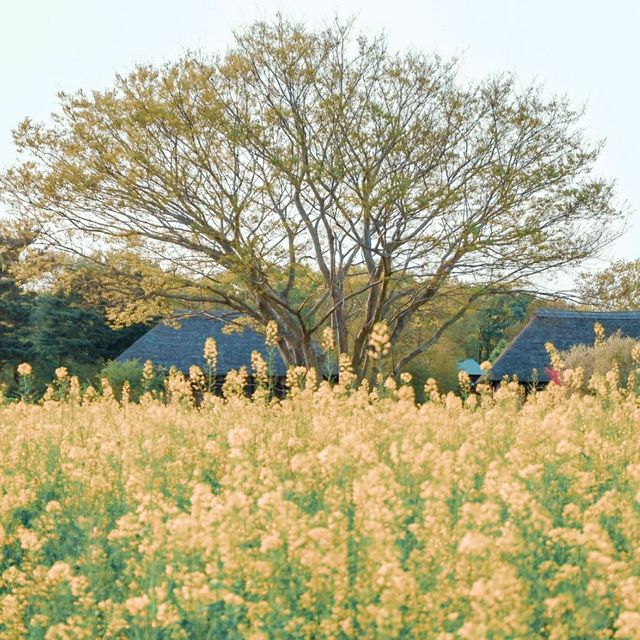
(337, 512)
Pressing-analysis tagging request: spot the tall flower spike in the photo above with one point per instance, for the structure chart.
(554, 355)
(260, 369)
(62, 373)
(147, 371)
(196, 376)
(211, 352)
(380, 341)
(464, 382)
(328, 343)
(24, 369)
(347, 376)
(271, 334)
(431, 389)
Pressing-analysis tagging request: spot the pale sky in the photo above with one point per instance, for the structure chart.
(588, 50)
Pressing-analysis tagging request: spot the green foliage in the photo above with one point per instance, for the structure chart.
(60, 330)
(117, 373)
(15, 304)
(15, 308)
(482, 334)
(497, 350)
(120, 285)
(131, 371)
(53, 332)
(54, 312)
(501, 313)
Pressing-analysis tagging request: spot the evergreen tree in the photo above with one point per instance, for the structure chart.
(15, 309)
(15, 305)
(63, 333)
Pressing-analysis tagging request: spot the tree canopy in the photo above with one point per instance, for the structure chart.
(46, 324)
(317, 178)
(14, 306)
(616, 288)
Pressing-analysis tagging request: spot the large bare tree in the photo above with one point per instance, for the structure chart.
(377, 176)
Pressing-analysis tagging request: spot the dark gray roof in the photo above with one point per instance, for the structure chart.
(564, 329)
(183, 346)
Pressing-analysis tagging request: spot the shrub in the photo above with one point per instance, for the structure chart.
(615, 353)
(133, 372)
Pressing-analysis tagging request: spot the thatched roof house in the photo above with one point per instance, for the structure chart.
(562, 328)
(183, 346)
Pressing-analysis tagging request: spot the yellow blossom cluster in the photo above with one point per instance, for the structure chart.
(271, 334)
(346, 374)
(349, 514)
(196, 376)
(554, 356)
(464, 382)
(599, 333)
(260, 370)
(328, 342)
(211, 352)
(235, 382)
(24, 369)
(148, 371)
(62, 373)
(380, 341)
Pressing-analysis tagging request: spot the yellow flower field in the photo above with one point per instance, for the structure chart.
(326, 515)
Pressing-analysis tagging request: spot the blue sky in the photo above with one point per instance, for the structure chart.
(588, 50)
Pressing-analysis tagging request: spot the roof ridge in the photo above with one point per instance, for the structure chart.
(571, 313)
(203, 313)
